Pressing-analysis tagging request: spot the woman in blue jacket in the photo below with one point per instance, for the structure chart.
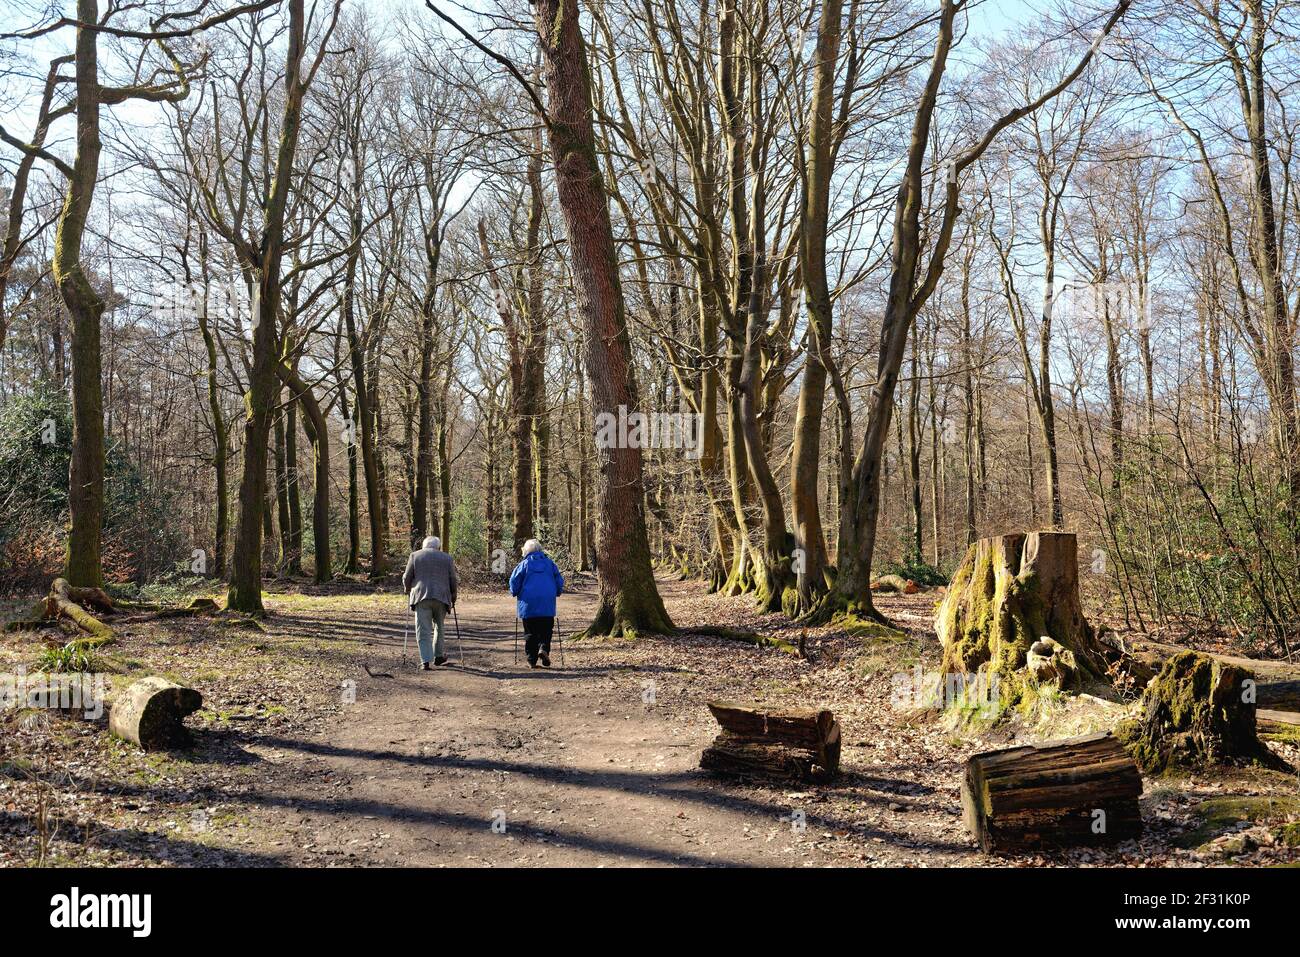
(536, 582)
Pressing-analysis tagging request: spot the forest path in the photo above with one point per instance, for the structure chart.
(571, 764)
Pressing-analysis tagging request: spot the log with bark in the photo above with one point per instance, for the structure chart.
(1079, 791)
(151, 713)
(787, 745)
(1014, 603)
(66, 601)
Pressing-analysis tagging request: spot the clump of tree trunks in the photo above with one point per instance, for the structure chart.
(788, 745)
(1079, 791)
(1013, 610)
(1197, 712)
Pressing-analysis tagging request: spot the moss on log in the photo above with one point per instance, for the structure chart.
(66, 601)
(1195, 713)
(755, 638)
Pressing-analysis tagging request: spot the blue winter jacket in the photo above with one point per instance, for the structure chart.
(536, 582)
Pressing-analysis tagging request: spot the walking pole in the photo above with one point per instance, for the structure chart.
(559, 633)
(516, 639)
(459, 646)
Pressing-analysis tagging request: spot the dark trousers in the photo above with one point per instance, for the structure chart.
(537, 636)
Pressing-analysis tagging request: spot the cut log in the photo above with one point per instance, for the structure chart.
(1010, 593)
(1195, 713)
(151, 714)
(789, 745)
(1079, 791)
(1278, 680)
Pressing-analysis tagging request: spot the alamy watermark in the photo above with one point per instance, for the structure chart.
(651, 430)
(979, 691)
(56, 692)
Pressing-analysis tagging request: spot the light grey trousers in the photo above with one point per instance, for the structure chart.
(430, 616)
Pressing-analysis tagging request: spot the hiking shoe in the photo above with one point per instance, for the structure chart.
(425, 666)
(532, 662)
(546, 659)
(441, 660)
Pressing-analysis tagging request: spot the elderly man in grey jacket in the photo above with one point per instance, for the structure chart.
(430, 582)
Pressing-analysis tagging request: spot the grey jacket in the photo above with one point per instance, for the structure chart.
(430, 574)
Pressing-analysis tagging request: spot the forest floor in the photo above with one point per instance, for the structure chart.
(321, 744)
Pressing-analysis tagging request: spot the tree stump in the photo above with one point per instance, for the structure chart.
(1078, 791)
(1196, 712)
(1013, 603)
(789, 745)
(151, 713)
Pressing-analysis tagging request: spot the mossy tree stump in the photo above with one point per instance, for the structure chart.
(1017, 594)
(1195, 713)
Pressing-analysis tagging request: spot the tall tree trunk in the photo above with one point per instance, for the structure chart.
(315, 424)
(283, 518)
(366, 417)
(245, 593)
(806, 453)
(629, 599)
(81, 565)
(220, 441)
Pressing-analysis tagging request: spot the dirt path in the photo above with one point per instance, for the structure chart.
(321, 744)
(573, 768)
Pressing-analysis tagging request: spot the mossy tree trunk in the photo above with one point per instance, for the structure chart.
(1010, 592)
(629, 600)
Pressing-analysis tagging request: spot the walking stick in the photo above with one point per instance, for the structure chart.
(516, 639)
(459, 646)
(559, 633)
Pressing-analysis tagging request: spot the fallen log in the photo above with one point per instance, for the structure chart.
(151, 713)
(740, 634)
(894, 583)
(66, 601)
(1079, 791)
(1151, 656)
(1264, 718)
(789, 745)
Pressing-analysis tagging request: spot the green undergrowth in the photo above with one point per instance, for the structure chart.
(69, 658)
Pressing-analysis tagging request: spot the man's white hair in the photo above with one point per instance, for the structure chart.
(434, 542)
(532, 545)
